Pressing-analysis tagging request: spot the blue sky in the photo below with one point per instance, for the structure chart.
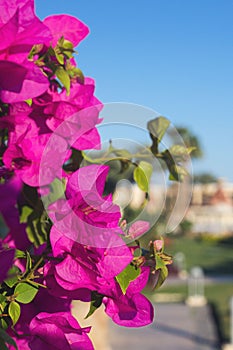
(173, 56)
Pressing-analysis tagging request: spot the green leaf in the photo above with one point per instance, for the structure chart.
(159, 262)
(57, 190)
(26, 211)
(67, 45)
(68, 49)
(130, 273)
(7, 339)
(64, 78)
(163, 273)
(180, 153)
(3, 302)
(3, 324)
(94, 305)
(14, 311)
(2, 298)
(19, 254)
(177, 173)
(29, 101)
(59, 56)
(29, 262)
(13, 276)
(25, 293)
(36, 232)
(157, 128)
(122, 153)
(75, 72)
(3, 345)
(142, 174)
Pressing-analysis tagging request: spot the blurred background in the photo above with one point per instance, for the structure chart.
(174, 57)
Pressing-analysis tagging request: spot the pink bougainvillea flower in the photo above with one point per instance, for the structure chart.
(95, 269)
(59, 331)
(20, 29)
(131, 309)
(43, 302)
(19, 82)
(71, 28)
(26, 146)
(6, 260)
(55, 289)
(9, 193)
(84, 193)
(85, 216)
(82, 266)
(74, 117)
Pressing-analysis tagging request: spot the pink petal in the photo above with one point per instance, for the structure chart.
(21, 82)
(67, 26)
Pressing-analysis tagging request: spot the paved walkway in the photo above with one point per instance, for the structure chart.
(176, 327)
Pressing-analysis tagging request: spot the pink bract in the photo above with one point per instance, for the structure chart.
(16, 236)
(131, 309)
(19, 82)
(59, 331)
(85, 216)
(67, 26)
(20, 29)
(83, 266)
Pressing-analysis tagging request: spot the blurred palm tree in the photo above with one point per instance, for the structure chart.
(191, 140)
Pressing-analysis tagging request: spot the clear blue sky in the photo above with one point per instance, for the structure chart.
(174, 56)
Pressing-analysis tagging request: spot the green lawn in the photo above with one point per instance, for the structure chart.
(214, 256)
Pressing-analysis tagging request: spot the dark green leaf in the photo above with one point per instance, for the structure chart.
(7, 339)
(130, 273)
(142, 175)
(94, 305)
(2, 298)
(3, 324)
(14, 311)
(3, 345)
(25, 293)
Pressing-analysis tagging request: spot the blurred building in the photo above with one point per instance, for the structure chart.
(210, 209)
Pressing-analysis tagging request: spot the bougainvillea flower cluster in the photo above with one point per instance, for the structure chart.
(62, 237)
